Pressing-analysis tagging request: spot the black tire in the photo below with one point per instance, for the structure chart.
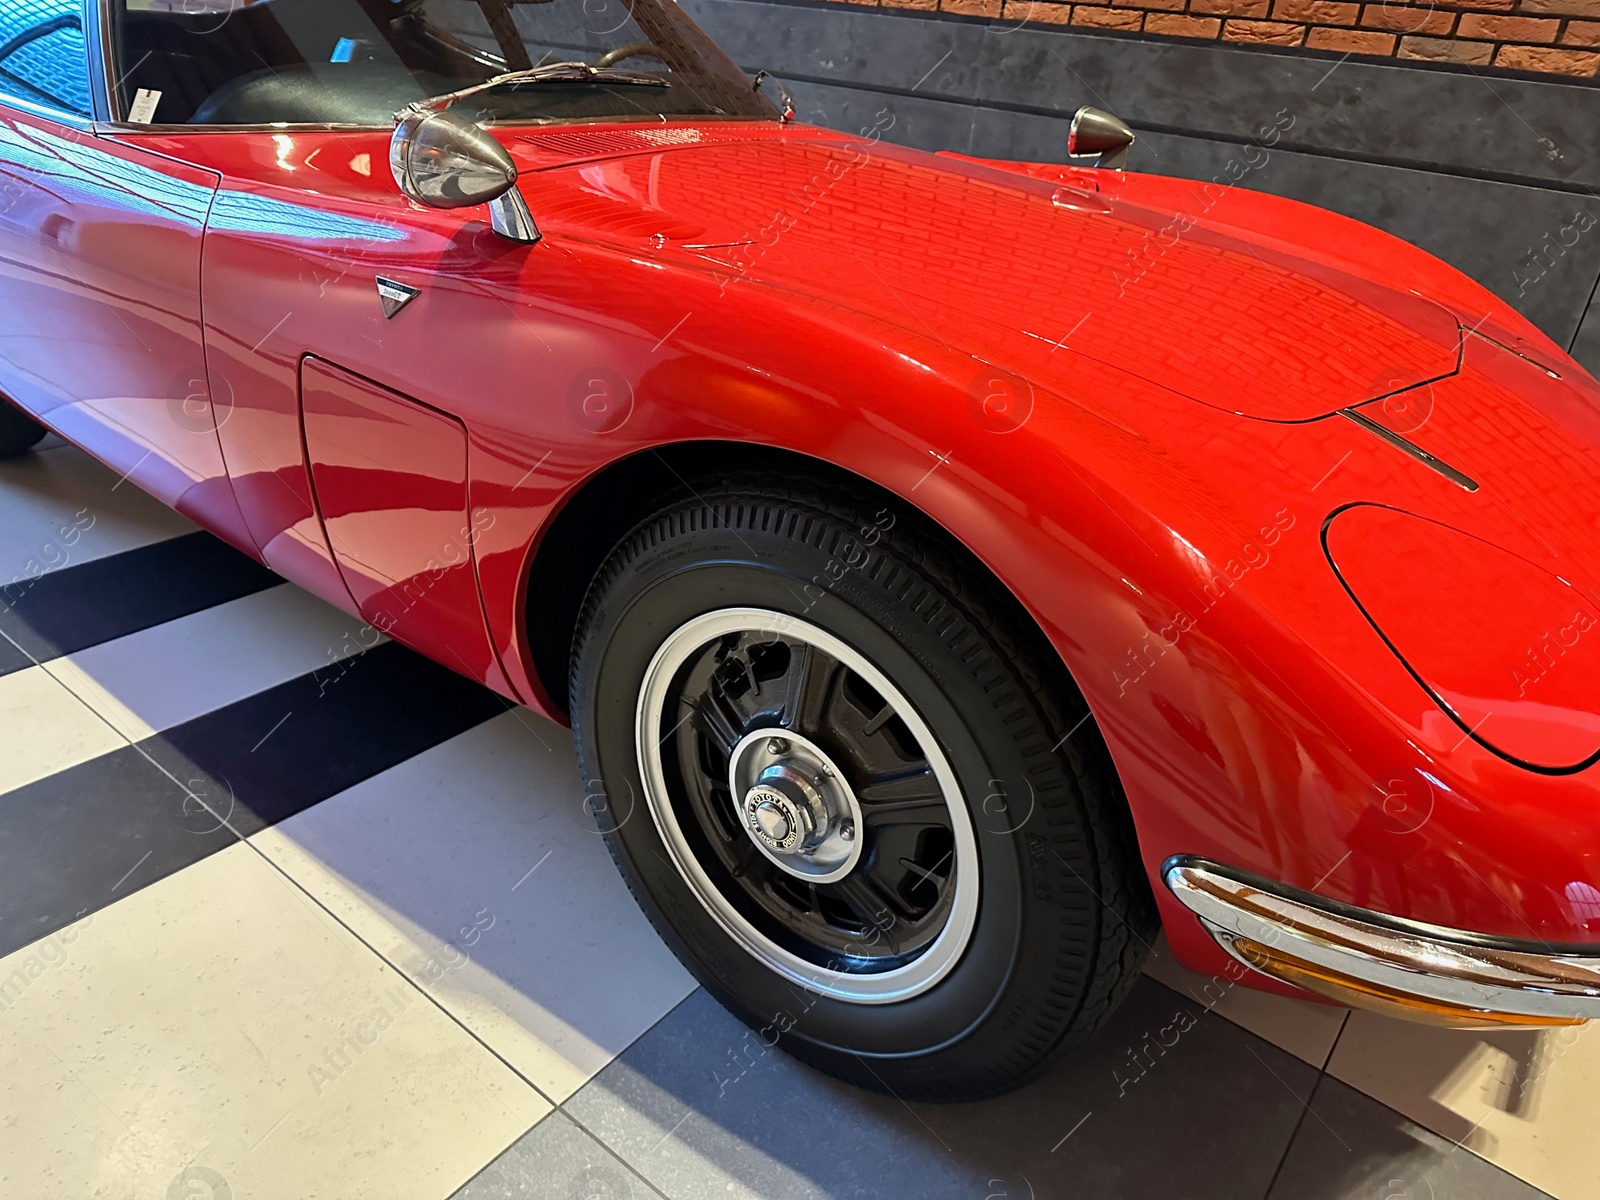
(19, 432)
(1064, 916)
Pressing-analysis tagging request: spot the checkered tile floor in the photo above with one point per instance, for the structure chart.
(387, 956)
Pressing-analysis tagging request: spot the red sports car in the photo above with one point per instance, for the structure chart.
(953, 571)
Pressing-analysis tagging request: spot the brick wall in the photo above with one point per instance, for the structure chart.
(1560, 37)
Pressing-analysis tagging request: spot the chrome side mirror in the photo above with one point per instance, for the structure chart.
(445, 161)
(1095, 131)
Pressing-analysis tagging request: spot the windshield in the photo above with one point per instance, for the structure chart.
(356, 62)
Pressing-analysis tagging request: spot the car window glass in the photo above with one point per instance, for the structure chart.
(43, 58)
(256, 62)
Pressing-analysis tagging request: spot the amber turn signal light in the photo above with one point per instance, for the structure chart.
(1360, 993)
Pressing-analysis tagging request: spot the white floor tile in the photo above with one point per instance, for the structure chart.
(218, 1026)
(1528, 1101)
(47, 729)
(476, 870)
(60, 508)
(1304, 1028)
(172, 673)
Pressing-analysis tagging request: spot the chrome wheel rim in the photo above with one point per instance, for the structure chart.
(808, 805)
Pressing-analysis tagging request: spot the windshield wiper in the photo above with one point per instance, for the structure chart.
(561, 72)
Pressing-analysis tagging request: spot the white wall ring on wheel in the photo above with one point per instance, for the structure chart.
(886, 987)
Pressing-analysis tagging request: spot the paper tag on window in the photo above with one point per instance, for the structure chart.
(143, 109)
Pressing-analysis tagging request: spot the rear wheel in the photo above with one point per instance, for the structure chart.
(833, 761)
(18, 431)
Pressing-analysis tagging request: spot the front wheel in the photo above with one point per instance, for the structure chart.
(833, 761)
(19, 432)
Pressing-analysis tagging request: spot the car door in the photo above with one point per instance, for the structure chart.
(100, 244)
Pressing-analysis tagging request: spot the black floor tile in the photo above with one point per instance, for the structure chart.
(11, 658)
(1350, 1147)
(90, 835)
(555, 1160)
(701, 1108)
(77, 607)
(281, 751)
(94, 833)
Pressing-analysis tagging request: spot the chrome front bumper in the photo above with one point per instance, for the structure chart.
(1402, 968)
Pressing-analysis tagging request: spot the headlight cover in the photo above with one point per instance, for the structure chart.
(1510, 651)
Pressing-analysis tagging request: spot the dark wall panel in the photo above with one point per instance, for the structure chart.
(1466, 121)
(918, 121)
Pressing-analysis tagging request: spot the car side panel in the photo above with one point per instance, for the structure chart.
(100, 247)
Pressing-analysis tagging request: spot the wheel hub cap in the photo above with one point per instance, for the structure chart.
(795, 805)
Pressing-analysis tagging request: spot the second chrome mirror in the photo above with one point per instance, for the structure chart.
(1095, 131)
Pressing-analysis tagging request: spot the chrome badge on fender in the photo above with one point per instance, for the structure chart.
(394, 296)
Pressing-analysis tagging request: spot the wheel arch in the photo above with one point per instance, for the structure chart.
(601, 510)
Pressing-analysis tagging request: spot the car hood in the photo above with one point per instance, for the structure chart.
(1000, 264)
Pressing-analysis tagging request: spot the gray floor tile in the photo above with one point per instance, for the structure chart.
(475, 869)
(555, 1160)
(1350, 1147)
(701, 1108)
